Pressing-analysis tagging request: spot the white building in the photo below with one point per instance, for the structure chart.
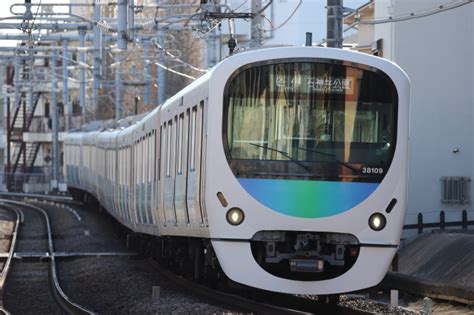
(435, 46)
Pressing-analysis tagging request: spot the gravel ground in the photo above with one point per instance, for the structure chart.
(124, 286)
(120, 285)
(440, 308)
(26, 290)
(372, 306)
(112, 285)
(32, 235)
(94, 233)
(410, 305)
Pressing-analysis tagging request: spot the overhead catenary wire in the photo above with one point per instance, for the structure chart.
(273, 28)
(174, 71)
(415, 15)
(405, 17)
(176, 58)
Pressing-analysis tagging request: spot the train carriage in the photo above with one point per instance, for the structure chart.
(287, 164)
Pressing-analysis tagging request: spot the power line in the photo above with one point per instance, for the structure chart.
(413, 15)
(286, 21)
(174, 71)
(176, 58)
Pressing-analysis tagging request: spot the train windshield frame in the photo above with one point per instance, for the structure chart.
(314, 119)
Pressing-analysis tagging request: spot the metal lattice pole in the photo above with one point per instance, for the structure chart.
(334, 23)
(65, 87)
(82, 73)
(55, 120)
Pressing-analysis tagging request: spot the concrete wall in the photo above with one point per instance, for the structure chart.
(437, 52)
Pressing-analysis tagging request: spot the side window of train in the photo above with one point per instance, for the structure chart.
(144, 155)
(151, 155)
(168, 148)
(165, 149)
(134, 167)
(192, 163)
(140, 161)
(175, 140)
(155, 157)
(127, 163)
(180, 144)
(187, 140)
(159, 154)
(121, 166)
(137, 163)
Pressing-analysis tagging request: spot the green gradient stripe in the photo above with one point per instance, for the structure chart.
(307, 199)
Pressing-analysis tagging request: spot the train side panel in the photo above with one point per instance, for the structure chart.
(181, 174)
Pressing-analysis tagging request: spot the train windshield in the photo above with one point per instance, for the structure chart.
(310, 120)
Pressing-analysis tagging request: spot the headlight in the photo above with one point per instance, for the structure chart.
(377, 221)
(235, 216)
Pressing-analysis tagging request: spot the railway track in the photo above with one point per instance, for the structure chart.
(38, 242)
(262, 302)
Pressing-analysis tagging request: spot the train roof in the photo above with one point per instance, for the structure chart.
(224, 69)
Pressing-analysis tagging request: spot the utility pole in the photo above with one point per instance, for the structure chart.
(31, 62)
(54, 120)
(118, 87)
(67, 107)
(82, 73)
(122, 24)
(161, 74)
(131, 20)
(5, 122)
(334, 23)
(146, 73)
(96, 63)
(256, 36)
(17, 82)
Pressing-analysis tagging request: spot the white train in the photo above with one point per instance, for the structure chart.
(287, 164)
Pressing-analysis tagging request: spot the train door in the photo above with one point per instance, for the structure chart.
(156, 173)
(138, 182)
(168, 189)
(202, 177)
(181, 171)
(197, 213)
(133, 181)
(144, 180)
(120, 181)
(149, 175)
(115, 179)
(161, 172)
(128, 176)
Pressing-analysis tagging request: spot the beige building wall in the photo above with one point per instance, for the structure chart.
(437, 52)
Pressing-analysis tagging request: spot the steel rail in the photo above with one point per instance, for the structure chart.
(227, 299)
(268, 302)
(11, 251)
(63, 300)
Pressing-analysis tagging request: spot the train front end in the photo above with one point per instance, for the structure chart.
(306, 168)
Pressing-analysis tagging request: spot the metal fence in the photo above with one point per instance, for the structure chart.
(464, 223)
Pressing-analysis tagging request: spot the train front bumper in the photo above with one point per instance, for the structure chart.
(239, 265)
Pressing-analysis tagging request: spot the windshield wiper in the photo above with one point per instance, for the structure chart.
(333, 157)
(285, 154)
